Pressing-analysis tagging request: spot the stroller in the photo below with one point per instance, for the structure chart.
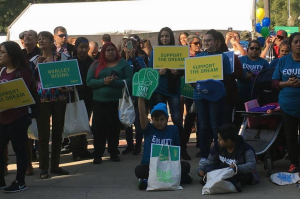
(261, 130)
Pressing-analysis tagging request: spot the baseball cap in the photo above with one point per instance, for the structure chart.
(282, 33)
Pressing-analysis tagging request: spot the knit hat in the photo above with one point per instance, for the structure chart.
(80, 40)
(161, 107)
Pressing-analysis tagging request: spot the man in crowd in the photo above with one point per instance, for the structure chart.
(61, 38)
(94, 52)
(105, 38)
(21, 37)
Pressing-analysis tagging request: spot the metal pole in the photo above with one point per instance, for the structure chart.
(289, 8)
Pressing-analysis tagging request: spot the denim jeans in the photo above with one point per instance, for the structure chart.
(209, 117)
(174, 105)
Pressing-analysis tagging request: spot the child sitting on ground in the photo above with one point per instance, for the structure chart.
(158, 133)
(232, 152)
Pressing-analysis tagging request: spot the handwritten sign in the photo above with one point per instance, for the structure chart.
(58, 74)
(186, 90)
(145, 82)
(171, 57)
(230, 55)
(203, 68)
(14, 94)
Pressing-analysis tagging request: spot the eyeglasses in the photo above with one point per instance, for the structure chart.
(197, 43)
(63, 35)
(254, 48)
(2, 52)
(207, 40)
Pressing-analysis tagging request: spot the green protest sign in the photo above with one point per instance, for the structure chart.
(145, 82)
(58, 74)
(186, 90)
(162, 151)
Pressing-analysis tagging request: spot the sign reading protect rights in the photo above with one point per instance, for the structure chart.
(14, 94)
(58, 74)
(203, 68)
(171, 57)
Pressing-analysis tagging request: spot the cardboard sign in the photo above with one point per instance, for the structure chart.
(58, 74)
(230, 55)
(203, 68)
(14, 94)
(171, 57)
(162, 151)
(145, 82)
(186, 90)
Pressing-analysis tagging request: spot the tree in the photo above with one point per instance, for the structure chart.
(279, 11)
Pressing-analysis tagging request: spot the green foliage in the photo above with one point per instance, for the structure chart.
(279, 11)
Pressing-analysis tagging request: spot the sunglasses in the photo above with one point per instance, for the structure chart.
(280, 37)
(254, 48)
(63, 35)
(197, 43)
(207, 40)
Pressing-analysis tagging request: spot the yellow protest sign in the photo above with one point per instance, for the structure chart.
(14, 94)
(203, 68)
(171, 57)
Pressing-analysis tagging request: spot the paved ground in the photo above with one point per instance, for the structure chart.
(115, 180)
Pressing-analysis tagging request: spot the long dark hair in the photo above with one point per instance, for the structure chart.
(183, 33)
(172, 39)
(214, 34)
(17, 58)
(221, 39)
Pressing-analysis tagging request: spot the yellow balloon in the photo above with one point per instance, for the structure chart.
(260, 13)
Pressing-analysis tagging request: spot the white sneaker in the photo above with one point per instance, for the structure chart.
(202, 160)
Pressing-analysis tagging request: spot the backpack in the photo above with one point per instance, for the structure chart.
(35, 108)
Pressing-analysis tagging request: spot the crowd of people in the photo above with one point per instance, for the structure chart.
(104, 72)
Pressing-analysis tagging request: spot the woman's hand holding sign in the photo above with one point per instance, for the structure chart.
(162, 71)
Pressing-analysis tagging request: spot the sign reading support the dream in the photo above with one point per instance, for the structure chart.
(59, 74)
(145, 82)
(171, 57)
(14, 94)
(203, 68)
(186, 90)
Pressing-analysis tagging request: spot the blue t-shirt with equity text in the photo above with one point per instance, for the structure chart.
(289, 97)
(245, 87)
(168, 136)
(226, 68)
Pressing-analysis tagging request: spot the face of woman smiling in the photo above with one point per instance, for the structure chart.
(195, 46)
(165, 38)
(209, 43)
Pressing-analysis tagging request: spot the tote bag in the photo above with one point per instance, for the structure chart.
(76, 118)
(126, 108)
(165, 168)
(284, 178)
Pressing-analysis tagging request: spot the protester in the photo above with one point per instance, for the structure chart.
(232, 151)
(182, 39)
(94, 50)
(79, 143)
(232, 93)
(21, 37)
(271, 50)
(14, 123)
(61, 38)
(159, 132)
(168, 89)
(106, 76)
(283, 51)
(209, 112)
(137, 61)
(286, 78)
(53, 103)
(245, 38)
(138, 49)
(147, 47)
(234, 39)
(30, 50)
(105, 38)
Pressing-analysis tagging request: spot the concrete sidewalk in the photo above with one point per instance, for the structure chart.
(115, 180)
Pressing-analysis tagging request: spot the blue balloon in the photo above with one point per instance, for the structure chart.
(266, 22)
(261, 40)
(258, 27)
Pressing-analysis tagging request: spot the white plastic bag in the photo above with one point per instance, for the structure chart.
(216, 182)
(126, 108)
(76, 118)
(166, 174)
(33, 132)
(283, 178)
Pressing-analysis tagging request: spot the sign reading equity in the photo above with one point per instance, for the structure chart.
(14, 94)
(186, 90)
(203, 68)
(58, 74)
(171, 57)
(145, 82)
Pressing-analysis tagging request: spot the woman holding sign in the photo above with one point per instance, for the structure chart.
(14, 122)
(53, 103)
(106, 76)
(209, 109)
(168, 89)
